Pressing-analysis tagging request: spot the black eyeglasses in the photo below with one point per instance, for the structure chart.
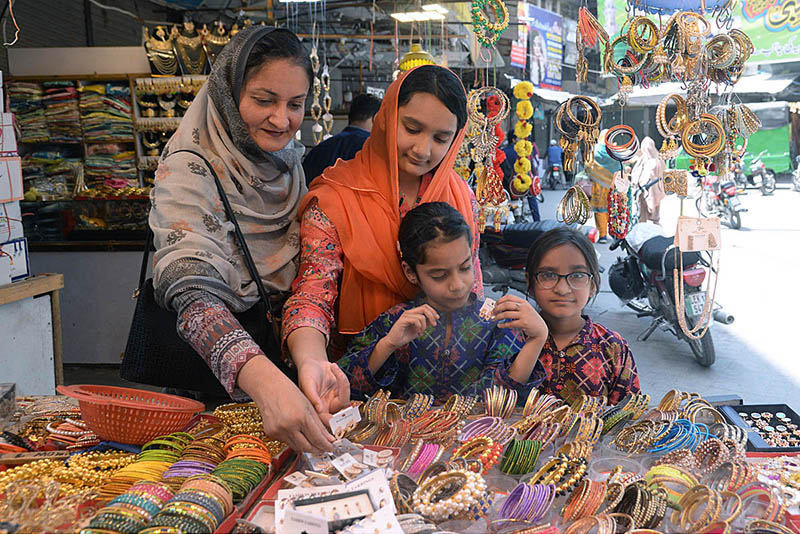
(576, 280)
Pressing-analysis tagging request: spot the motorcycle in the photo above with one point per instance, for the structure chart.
(552, 178)
(503, 254)
(644, 281)
(796, 175)
(720, 199)
(759, 175)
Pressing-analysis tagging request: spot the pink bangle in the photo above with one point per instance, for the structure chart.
(424, 459)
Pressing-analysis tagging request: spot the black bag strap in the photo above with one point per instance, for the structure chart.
(248, 258)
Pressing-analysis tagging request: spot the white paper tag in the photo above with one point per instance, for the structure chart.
(296, 478)
(370, 457)
(295, 521)
(378, 486)
(487, 309)
(344, 421)
(621, 182)
(286, 497)
(344, 462)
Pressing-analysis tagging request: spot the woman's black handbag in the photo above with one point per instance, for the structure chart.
(156, 355)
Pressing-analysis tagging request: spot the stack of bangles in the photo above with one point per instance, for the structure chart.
(482, 448)
(200, 506)
(645, 505)
(439, 425)
(521, 457)
(418, 405)
(132, 510)
(733, 475)
(772, 510)
(394, 434)
(574, 207)
(578, 120)
(673, 480)
(427, 454)
(492, 427)
(563, 471)
(614, 417)
(459, 404)
(604, 524)
(682, 434)
(585, 500)
(528, 502)
(499, 401)
(621, 151)
(452, 495)
(544, 431)
(638, 437)
(760, 526)
(695, 129)
(241, 475)
(538, 403)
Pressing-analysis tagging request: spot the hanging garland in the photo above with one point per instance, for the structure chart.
(327, 117)
(523, 179)
(316, 108)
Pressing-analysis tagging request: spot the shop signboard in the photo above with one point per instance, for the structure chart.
(772, 25)
(545, 47)
(519, 46)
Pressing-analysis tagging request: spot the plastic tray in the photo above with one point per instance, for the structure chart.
(755, 443)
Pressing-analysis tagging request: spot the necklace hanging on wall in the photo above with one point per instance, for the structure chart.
(189, 46)
(160, 51)
(214, 41)
(316, 108)
(327, 117)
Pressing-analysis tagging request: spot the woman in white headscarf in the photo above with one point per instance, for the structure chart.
(647, 167)
(243, 121)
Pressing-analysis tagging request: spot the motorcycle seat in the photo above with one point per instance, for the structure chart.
(524, 234)
(652, 252)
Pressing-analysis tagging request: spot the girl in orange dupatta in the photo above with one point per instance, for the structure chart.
(350, 265)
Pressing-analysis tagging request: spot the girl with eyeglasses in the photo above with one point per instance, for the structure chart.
(579, 355)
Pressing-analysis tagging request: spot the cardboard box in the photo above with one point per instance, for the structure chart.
(18, 250)
(10, 221)
(8, 138)
(10, 179)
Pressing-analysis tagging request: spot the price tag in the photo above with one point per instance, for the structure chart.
(294, 521)
(296, 478)
(344, 421)
(621, 182)
(370, 458)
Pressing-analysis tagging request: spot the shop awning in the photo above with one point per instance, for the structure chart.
(757, 84)
(551, 95)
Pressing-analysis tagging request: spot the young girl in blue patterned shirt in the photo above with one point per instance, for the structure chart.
(440, 343)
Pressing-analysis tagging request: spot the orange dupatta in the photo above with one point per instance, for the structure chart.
(361, 197)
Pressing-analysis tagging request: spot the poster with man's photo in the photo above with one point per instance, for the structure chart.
(545, 47)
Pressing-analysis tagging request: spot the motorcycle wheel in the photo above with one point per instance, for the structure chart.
(703, 348)
(735, 219)
(768, 183)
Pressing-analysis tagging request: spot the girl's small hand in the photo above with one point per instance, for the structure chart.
(411, 324)
(518, 313)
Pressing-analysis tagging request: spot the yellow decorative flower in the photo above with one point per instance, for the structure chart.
(523, 148)
(523, 129)
(522, 166)
(523, 90)
(524, 109)
(521, 184)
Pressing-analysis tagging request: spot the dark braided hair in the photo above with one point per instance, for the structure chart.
(432, 221)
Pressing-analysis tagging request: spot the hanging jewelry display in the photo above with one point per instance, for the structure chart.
(160, 51)
(670, 129)
(574, 207)
(578, 122)
(316, 108)
(486, 31)
(590, 31)
(327, 117)
(214, 41)
(522, 182)
(489, 187)
(189, 47)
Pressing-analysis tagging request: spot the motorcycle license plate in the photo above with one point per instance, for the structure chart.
(735, 201)
(695, 302)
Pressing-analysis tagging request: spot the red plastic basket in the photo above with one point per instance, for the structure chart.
(133, 416)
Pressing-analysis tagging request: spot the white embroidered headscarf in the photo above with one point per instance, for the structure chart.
(264, 189)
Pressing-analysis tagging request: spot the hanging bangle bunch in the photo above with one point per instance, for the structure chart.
(670, 129)
(522, 182)
(327, 117)
(621, 151)
(578, 120)
(316, 108)
(590, 31)
(703, 151)
(574, 207)
(486, 31)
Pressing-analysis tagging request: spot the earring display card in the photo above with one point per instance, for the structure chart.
(338, 508)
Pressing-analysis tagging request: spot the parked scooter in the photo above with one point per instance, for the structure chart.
(796, 175)
(552, 178)
(644, 281)
(503, 254)
(758, 175)
(720, 199)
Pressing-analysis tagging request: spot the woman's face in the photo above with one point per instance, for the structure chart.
(425, 131)
(272, 103)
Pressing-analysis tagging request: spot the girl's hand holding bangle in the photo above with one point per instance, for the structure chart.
(518, 313)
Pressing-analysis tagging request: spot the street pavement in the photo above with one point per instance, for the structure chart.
(758, 357)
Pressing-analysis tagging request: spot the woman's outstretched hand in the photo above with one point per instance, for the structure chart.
(325, 385)
(287, 413)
